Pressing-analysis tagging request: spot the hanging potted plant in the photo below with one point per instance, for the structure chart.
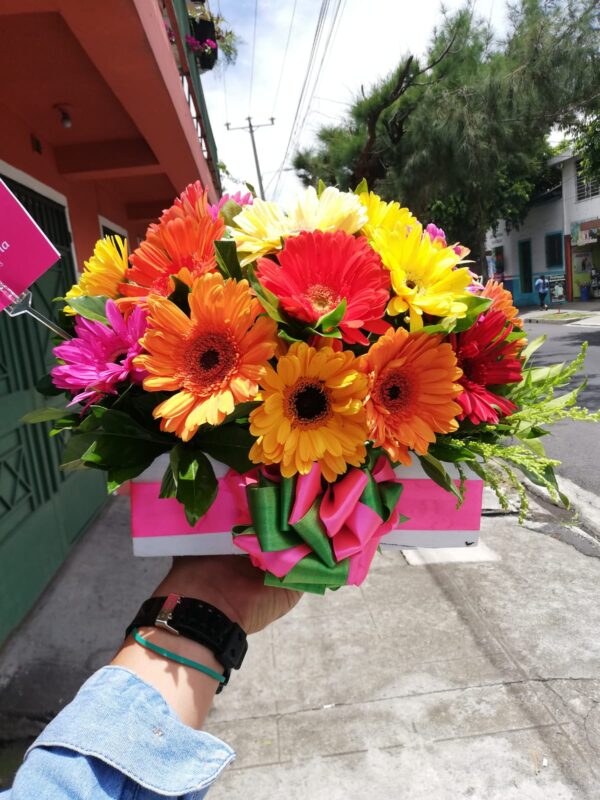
(209, 35)
(206, 51)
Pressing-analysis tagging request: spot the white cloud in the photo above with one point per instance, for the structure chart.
(370, 40)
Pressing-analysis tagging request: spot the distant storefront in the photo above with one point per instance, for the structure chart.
(559, 239)
(585, 258)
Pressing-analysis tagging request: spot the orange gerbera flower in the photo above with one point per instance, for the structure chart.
(213, 359)
(192, 202)
(181, 243)
(502, 300)
(413, 382)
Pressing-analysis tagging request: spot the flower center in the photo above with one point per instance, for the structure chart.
(209, 360)
(307, 403)
(393, 390)
(411, 284)
(322, 298)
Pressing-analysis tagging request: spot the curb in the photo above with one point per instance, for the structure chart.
(583, 509)
(554, 321)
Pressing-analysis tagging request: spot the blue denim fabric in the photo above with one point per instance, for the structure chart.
(118, 739)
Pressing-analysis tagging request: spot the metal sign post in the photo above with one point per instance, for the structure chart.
(21, 304)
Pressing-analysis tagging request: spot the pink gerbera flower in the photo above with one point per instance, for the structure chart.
(238, 197)
(100, 356)
(317, 270)
(487, 361)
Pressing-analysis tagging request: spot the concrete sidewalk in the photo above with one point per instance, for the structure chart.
(476, 680)
(575, 313)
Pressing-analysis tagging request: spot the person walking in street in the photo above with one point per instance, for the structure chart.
(542, 286)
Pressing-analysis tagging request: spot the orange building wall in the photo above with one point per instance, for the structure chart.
(85, 200)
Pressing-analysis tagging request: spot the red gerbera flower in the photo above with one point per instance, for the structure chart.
(487, 360)
(317, 270)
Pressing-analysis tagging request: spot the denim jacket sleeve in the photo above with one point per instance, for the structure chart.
(118, 739)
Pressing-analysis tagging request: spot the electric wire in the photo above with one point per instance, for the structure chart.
(253, 54)
(285, 52)
(326, 52)
(311, 61)
(297, 130)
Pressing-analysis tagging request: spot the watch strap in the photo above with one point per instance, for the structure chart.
(196, 620)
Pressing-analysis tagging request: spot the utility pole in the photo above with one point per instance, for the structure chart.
(251, 128)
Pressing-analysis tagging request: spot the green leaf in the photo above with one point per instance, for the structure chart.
(93, 308)
(532, 347)
(229, 444)
(227, 259)
(435, 470)
(229, 211)
(475, 306)
(180, 295)
(168, 487)
(320, 187)
(251, 189)
(195, 481)
(65, 423)
(117, 477)
(333, 318)
(362, 187)
(269, 302)
(450, 453)
(42, 415)
(112, 441)
(46, 387)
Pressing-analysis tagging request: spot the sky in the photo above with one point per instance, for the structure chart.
(367, 42)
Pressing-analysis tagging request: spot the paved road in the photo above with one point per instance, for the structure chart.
(576, 444)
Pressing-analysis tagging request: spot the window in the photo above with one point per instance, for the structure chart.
(585, 188)
(554, 250)
(525, 266)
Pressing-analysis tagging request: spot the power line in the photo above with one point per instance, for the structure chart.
(285, 52)
(311, 60)
(253, 54)
(326, 52)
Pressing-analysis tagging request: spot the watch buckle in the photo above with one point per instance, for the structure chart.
(165, 615)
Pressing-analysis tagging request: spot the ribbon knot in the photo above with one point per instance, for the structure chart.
(310, 538)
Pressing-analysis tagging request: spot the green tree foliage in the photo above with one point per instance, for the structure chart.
(462, 137)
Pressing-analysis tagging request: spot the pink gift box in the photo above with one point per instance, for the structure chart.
(159, 527)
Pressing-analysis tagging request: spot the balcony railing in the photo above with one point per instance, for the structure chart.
(176, 11)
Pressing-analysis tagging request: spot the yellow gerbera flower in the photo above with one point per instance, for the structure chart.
(261, 227)
(103, 273)
(384, 215)
(313, 410)
(424, 277)
(332, 210)
(259, 230)
(214, 358)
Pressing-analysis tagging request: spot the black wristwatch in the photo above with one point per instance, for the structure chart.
(198, 621)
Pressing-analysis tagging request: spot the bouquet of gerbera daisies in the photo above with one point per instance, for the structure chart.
(283, 366)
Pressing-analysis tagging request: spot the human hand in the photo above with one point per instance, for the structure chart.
(231, 584)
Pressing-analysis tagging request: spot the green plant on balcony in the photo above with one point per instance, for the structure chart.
(209, 36)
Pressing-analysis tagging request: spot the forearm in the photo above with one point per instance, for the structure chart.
(188, 691)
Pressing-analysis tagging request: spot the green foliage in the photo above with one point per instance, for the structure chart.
(498, 453)
(191, 480)
(93, 308)
(462, 137)
(227, 259)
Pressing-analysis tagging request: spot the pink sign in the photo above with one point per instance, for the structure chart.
(25, 252)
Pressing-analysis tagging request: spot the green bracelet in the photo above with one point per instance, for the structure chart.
(175, 657)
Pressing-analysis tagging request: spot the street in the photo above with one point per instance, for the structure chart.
(576, 444)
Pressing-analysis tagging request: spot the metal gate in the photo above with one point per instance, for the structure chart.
(43, 510)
